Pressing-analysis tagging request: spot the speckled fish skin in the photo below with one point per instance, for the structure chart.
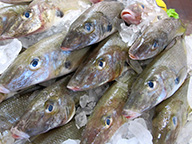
(40, 16)
(106, 117)
(15, 1)
(12, 109)
(155, 38)
(159, 80)
(95, 24)
(105, 63)
(41, 62)
(58, 135)
(52, 107)
(132, 13)
(170, 117)
(8, 14)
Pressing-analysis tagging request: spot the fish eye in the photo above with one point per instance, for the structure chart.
(27, 14)
(155, 45)
(108, 121)
(35, 64)
(88, 27)
(101, 63)
(49, 107)
(143, 6)
(151, 84)
(177, 80)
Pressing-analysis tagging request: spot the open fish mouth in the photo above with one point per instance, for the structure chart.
(3, 89)
(129, 114)
(19, 134)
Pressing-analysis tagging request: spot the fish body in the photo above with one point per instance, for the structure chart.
(41, 62)
(155, 38)
(132, 13)
(12, 109)
(58, 135)
(104, 64)
(107, 115)
(15, 1)
(158, 81)
(8, 14)
(171, 115)
(95, 24)
(40, 16)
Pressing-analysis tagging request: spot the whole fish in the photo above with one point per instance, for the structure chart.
(158, 81)
(132, 13)
(40, 16)
(58, 135)
(41, 62)
(96, 23)
(104, 64)
(8, 14)
(12, 109)
(52, 107)
(155, 38)
(107, 116)
(171, 115)
(15, 1)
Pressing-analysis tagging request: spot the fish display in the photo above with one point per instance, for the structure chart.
(58, 135)
(95, 24)
(132, 13)
(12, 109)
(15, 1)
(155, 38)
(39, 16)
(8, 14)
(42, 61)
(171, 115)
(105, 63)
(106, 117)
(158, 81)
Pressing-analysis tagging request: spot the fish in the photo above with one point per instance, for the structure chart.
(40, 62)
(54, 106)
(40, 16)
(12, 109)
(171, 115)
(15, 1)
(95, 24)
(104, 64)
(132, 13)
(107, 115)
(158, 81)
(58, 135)
(155, 38)
(8, 14)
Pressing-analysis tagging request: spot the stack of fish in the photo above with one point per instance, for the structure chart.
(45, 84)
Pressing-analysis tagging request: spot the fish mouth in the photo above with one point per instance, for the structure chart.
(129, 114)
(128, 16)
(19, 134)
(132, 56)
(74, 88)
(3, 89)
(66, 49)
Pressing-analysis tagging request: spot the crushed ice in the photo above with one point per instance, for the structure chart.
(9, 50)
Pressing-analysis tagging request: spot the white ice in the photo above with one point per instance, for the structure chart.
(8, 53)
(71, 141)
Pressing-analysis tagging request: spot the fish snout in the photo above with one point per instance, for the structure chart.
(3, 89)
(130, 114)
(19, 134)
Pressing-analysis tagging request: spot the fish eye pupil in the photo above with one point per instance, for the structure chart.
(50, 108)
(177, 80)
(150, 84)
(143, 6)
(108, 121)
(27, 14)
(109, 28)
(35, 62)
(100, 64)
(88, 26)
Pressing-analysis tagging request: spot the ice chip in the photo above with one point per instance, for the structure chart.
(83, 101)
(8, 53)
(81, 119)
(70, 141)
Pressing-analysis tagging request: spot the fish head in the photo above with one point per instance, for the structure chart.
(86, 31)
(98, 69)
(34, 19)
(102, 125)
(28, 69)
(132, 14)
(147, 91)
(48, 110)
(148, 45)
